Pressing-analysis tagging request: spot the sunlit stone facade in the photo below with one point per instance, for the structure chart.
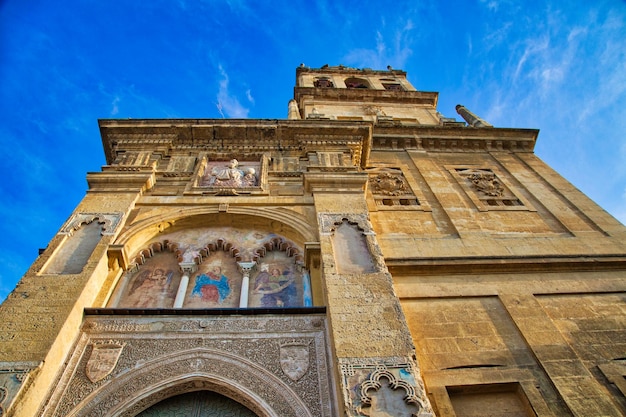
(365, 256)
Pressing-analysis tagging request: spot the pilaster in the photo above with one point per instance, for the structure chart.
(371, 340)
(579, 389)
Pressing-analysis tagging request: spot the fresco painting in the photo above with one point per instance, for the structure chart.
(216, 284)
(153, 285)
(277, 283)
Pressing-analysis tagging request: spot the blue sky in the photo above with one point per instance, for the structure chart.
(557, 66)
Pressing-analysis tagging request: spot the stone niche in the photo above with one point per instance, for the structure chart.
(273, 365)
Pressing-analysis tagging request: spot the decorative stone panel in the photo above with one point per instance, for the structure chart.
(488, 189)
(391, 190)
(230, 177)
(14, 379)
(383, 386)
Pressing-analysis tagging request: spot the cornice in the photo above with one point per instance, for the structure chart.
(513, 264)
(232, 137)
(354, 95)
(454, 138)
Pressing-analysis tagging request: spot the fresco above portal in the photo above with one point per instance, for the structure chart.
(212, 258)
(153, 285)
(216, 284)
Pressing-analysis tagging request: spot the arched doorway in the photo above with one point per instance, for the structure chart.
(198, 404)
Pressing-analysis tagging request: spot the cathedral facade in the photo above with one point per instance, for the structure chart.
(365, 256)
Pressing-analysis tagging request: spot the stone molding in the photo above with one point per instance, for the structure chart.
(454, 139)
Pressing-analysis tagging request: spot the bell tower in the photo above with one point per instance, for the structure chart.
(350, 94)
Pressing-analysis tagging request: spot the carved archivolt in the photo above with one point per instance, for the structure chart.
(181, 372)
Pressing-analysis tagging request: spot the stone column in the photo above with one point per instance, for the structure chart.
(471, 118)
(293, 113)
(188, 268)
(306, 289)
(245, 268)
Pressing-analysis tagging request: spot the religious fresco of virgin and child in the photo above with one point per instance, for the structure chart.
(216, 284)
(212, 286)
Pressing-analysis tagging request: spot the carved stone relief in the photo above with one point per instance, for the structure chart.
(14, 378)
(230, 177)
(294, 359)
(389, 184)
(273, 365)
(230, 174)
(383, 387)
(487, 189)
(103, 358)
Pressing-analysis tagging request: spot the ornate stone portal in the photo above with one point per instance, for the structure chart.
(273, 365)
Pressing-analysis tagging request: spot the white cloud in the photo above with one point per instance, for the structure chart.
(249, 96)
(115, 106)
(389, 49)
(227, 102)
